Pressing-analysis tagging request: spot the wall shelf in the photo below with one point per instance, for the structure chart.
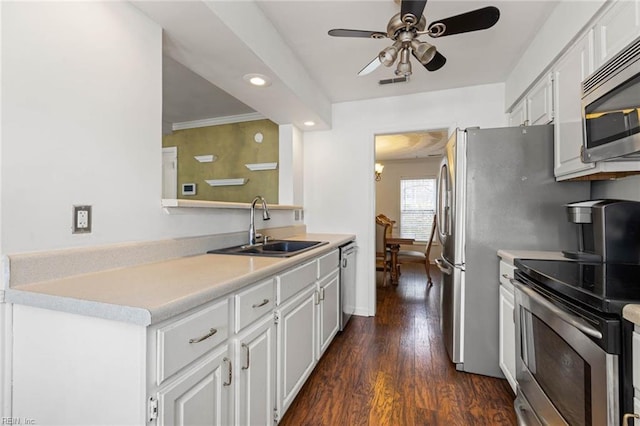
(206, 158)
(226, 182)
(261, 166)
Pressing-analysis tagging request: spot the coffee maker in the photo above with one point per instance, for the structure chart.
(608, 231)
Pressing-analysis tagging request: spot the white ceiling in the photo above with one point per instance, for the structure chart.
(287, 40)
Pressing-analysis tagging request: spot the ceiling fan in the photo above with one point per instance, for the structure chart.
(405, 27)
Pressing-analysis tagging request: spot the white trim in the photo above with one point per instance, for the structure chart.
(240, 118)
(179, 203)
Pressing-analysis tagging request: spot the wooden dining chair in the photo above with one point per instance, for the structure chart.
(383, 259)
(411, 256)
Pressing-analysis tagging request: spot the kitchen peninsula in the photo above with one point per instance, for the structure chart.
(152, 339)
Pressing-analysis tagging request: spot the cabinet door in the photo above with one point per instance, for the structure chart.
(540, 102)
(568, 76)
(201, 396)
(507, 359)
(329, 312)
(618, 27)
(296, 346)
(518, 114)
(255, 361)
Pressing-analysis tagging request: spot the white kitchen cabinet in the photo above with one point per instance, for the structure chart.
(569, 72)
(507, 343)
(540, 102)
(239, 359)
(256, 370)
(296, 330)
(537, 105)
(616, 28)
(201, 396)
(328, 311)
(518, 114)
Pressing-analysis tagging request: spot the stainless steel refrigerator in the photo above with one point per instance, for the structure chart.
(496, 190)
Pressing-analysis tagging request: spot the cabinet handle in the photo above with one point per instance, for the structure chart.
(228, 361)
(316, 297)
(245, 346)
(257, 305)
(627, 417)
(321, 293)
(506, 277)
(205, 337)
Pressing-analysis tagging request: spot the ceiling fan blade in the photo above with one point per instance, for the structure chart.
(436, 63)
(412, 7)
(479, 19)
(371, 66)
(338, 32)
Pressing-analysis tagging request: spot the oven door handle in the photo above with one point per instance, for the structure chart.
(574, 320)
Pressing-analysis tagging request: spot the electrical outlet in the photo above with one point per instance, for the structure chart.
(81, 219)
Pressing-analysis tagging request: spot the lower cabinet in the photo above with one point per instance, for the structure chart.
(507, 326)
(200, 396)
(240, 359)
(296, 331)
(328, 312)
(256, 368)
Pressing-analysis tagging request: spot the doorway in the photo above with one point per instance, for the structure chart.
(406, 167)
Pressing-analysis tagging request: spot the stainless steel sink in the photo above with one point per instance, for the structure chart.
(276, 248)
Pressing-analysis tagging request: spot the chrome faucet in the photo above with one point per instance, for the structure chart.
(265, 216)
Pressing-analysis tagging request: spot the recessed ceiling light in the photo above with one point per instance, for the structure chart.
(309, 123)
(258, 80)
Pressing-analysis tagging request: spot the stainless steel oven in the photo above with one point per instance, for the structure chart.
(567, 360)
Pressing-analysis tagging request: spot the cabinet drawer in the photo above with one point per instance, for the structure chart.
(507, 272)
(328, 263)
(253, 303)
(293, 281)
(185, 340)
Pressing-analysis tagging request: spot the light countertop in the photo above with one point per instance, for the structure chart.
(509, 256)
(632, 313)
(149, 293)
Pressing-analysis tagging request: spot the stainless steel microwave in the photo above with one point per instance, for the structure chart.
(611, 108)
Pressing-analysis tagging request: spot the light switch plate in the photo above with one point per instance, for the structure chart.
(81, 219)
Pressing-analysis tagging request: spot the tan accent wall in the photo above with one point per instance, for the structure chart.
(234, 146)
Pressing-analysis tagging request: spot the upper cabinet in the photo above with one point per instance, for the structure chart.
(568, 73)
(616, 28)
(557, 96)
(536, 107)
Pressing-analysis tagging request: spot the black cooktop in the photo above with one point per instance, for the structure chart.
(606, 287)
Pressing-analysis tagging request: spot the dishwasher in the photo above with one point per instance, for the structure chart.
(347, 281)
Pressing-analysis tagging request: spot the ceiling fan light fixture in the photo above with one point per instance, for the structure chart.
(404, 66)
(389, 54)
(423, 51)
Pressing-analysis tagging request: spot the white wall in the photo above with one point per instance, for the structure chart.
(622, 189)
(388, 188)
(290, 180)
(81, 124)
(388, 191)
(338, 164)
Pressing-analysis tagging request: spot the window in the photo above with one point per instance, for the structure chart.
(417, 208)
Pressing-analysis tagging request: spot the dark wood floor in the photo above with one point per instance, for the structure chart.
(393, 369)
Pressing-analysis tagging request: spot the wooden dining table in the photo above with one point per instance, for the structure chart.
(394, 243)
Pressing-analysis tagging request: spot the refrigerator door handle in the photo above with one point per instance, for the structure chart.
(444, 268)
